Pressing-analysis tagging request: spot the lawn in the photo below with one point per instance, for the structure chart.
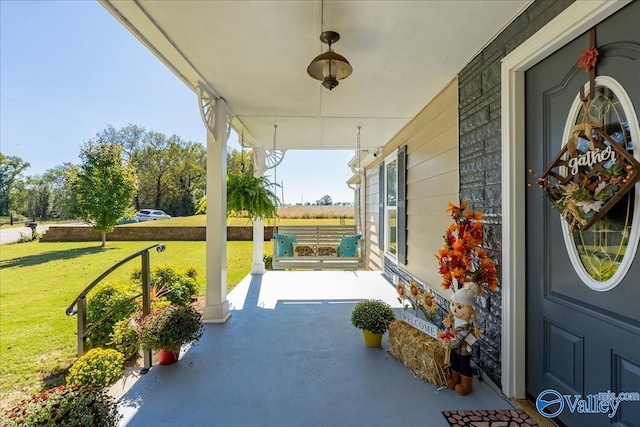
(40, 280)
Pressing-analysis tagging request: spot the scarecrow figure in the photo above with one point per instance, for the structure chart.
(462, 332)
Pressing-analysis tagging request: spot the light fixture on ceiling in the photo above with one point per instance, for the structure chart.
(329, 67)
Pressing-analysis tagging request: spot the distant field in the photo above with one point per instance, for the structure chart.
(306, 212)
(294, 215)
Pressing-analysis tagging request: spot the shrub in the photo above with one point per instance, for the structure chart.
(191, 272)
(98, 367)
(125, 339)
(168, 328)
(268, 261)
(64, 406)
(178, 288)
(25, 237)
(104, 298)
(372, 315)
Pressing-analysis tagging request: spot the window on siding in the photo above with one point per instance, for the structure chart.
(391, 206)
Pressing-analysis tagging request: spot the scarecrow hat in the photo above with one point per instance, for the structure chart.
(465, 294)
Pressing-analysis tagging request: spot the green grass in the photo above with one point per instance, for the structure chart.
(40, 280)
(200, 220)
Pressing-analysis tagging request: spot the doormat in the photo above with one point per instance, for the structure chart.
(489, 418)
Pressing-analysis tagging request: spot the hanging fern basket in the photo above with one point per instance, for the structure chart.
(251, 196)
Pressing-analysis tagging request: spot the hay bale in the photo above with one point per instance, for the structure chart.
(419, 352)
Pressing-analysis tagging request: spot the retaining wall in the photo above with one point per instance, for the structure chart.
(132, 233)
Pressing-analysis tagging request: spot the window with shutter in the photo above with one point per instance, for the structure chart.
(402, 205)
(390, 198)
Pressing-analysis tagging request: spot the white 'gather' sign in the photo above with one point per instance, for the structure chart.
(420, 324)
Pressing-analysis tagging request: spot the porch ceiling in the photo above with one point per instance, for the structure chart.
(254, 54)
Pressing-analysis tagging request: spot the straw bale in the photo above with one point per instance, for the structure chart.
(419, 352)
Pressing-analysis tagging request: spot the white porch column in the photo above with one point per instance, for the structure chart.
(258, 247)
(216, 309)
(259, 164)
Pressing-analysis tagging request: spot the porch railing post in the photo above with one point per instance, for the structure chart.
(82, 323)
(146, 299)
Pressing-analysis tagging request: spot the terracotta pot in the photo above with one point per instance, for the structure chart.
(371, 339)
(166, 357)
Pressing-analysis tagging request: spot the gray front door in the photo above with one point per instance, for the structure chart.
(581, 341)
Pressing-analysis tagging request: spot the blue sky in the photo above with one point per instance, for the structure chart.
(68, 68)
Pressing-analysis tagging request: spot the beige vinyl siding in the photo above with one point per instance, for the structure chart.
(432, 181)
(373, 256)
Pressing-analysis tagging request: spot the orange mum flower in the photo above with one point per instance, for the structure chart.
(446, 281)
(458, 273)
(451, 208)
(493, 283)
(459, 246)
(473, 215)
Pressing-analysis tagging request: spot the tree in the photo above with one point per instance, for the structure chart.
(39, 197)
(187, 181)
(62, 198)
(11, 167)
(103, 186)
(239, 161)
(129, 137)
(324, 200)
(171, 172)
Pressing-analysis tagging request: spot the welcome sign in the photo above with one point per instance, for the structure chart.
(420, 324)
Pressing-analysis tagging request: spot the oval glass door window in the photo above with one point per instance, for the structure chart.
(602, 254)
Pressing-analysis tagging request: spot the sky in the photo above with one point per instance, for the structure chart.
(68, 69)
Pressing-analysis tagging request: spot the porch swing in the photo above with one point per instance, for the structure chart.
(316, 247)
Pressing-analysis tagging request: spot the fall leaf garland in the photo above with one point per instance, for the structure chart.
(461, 258)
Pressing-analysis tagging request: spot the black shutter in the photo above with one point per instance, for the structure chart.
(402, 204)
(382, 194)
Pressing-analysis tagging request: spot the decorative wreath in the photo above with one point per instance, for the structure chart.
(589, 176)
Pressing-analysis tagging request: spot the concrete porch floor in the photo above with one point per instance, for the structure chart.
(289, 356)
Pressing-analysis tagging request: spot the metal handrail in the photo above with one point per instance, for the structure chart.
(160, 247)
(79, 305)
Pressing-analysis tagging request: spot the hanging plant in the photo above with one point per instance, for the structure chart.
(247, 196)
(251, 196)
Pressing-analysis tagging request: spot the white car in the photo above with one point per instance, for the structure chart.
(150, 215)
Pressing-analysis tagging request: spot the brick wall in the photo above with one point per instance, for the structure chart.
(480, 157)
(87, 234)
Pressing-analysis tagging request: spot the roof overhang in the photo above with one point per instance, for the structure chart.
(254, 54)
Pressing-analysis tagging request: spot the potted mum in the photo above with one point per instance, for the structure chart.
(373, 317)
(167, 329)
